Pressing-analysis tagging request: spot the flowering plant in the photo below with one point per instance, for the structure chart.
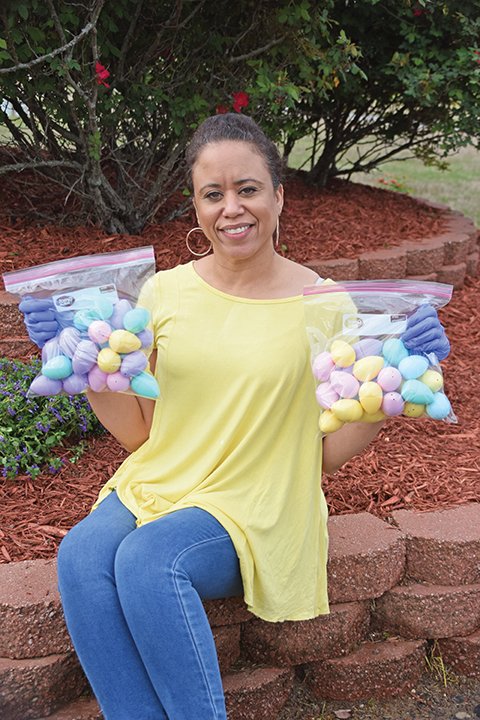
(102, 74)
(33, 429)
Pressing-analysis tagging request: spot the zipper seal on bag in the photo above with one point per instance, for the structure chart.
(407, 287)
(135, 256)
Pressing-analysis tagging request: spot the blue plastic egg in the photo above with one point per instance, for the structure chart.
(146, 385)
(439, 408)
(417, 392)
(413, 366)
(136, 320)
(394, 351)
(57, 368)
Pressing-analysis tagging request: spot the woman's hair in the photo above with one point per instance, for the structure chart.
(237, 127)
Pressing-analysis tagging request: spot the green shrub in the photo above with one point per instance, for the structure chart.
(33, 429)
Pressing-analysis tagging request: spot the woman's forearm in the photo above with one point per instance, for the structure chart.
(352, 439)
(127, 417)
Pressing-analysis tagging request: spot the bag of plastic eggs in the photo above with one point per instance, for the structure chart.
(104, 335)
(362, 369)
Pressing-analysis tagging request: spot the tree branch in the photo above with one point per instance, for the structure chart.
(258, 51)
(37, 164)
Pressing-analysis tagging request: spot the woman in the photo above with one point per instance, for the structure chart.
(221, 495)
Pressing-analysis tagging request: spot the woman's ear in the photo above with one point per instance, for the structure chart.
(279, 198)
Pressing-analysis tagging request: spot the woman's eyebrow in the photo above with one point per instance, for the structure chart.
(235, 182)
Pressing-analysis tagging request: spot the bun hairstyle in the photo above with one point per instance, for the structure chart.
(240, 128)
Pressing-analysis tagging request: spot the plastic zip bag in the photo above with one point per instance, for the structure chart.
(104, 337)
(363, 371)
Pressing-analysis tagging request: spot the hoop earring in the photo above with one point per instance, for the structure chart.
(277, 232)
(193, 252)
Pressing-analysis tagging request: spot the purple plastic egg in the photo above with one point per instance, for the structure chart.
(120, 309)
(133, 363)
(68, 341)
(392, 404)
(344, 384)
(146, 337)
(50, 350)
(117, 382)
(326, 395)
(43, 385)
(367, 346)
(75, 384)
(389, 378)
(97, 379)
(322, 366)
(85, 357)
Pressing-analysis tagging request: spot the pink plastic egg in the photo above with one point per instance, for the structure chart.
(326, 395)
(322, 366)
(392, 404)
(75, 384)
(389, 378)
(97, 379)
(99, 331)
(344, 384)
(117, 382)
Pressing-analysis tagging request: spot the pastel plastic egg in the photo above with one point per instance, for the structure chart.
(392, 404)
(432, 379)
(57, 368)
(394, 351)
(136, 320)
(367, 368)
(102, 309)
(413, 410)
(68, 341)
(347, 410)
(120, 309)
(389, 378)
(134, 363)
(82, 320)
(146, 385)
(146, 338)
(344, 384)
(117, 382)
(75, 384)
(51, 349)
(440, 407)
(99, 331)
(84, 357)
(123, 341)
(322, 366)
(328, 422)
(373, 417)
(413, 366)
(326, 395)
(367, 346)
(370, 397)
(97, 379)
(43, 385)
(342, 353)
(108, 360)
(416, 392)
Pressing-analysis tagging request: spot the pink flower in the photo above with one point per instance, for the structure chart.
(102, 74)
(221, 109)
(418, 12)
(240, 100)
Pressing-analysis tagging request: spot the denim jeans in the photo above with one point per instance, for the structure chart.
(132, 599)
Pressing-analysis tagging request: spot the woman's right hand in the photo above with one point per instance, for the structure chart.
(40, 319)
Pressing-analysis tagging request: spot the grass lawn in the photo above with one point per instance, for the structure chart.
(458, 187)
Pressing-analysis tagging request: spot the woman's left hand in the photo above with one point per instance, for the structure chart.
(425, 333)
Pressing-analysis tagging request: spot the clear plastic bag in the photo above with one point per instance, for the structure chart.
(103, 336)
(362, 369)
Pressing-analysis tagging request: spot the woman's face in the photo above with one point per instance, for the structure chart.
(236, 203)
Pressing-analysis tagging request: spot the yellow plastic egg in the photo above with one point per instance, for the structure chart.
(347, 410)
(342, 353)
(123, 341)
(373, 417)
(370, 396)
(413, 410)
(432, 379)
(108, 360)
(367, 368)
(329, 422)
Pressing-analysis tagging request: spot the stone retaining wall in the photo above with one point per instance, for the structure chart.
(393, 587)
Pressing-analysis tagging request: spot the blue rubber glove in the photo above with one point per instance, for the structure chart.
(40, 319)
(425, 333)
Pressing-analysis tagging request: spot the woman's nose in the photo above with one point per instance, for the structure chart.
(232, 204)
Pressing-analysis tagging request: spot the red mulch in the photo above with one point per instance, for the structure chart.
(417, 464)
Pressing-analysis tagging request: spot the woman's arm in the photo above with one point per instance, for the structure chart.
(342, 445)
(127, 417)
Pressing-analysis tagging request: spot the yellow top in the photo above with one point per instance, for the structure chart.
(235, 432)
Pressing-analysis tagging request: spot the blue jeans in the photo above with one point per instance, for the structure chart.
(132, 599)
